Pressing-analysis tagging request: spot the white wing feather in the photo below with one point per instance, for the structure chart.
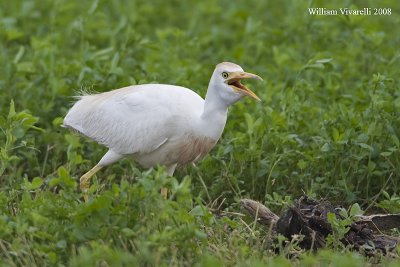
(136, 119)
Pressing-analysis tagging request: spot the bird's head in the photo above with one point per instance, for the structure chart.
(226, 79)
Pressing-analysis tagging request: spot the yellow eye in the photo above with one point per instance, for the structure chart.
(225, 75)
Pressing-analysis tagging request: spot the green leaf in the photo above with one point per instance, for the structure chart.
(128, 232)
(62, 173)
(395, 140)
(356, 210)
(201, 235)
(302, 164)
(36, 183)
(324, 60)
(366, 146)
(19, 55)
(197, 211)
(18, 132)
(26, 67)
(61, 244)
(335, 135)
(371, 165)
(331, 217)
(326, 147)
(11, 112)
(58, 121)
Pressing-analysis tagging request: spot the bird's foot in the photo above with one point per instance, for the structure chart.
(164, 192)
(85, 181)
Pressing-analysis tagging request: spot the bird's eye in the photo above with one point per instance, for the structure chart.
(225, 75)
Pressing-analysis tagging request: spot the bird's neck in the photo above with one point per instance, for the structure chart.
(214, 115)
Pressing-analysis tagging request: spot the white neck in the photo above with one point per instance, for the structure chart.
(215, 112)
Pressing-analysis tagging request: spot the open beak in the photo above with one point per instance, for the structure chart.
(234, 82)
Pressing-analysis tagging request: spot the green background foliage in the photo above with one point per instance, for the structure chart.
(328, 125)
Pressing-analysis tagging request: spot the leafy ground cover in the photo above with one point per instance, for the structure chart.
(328, 125)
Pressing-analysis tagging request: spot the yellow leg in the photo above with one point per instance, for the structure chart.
(164, 192)
(85, 180)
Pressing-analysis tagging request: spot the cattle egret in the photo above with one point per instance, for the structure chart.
(158, 124)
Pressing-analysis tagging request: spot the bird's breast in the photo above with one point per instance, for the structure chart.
(194, 148)
(177, 150)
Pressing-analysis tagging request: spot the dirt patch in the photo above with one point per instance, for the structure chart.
(309, 218)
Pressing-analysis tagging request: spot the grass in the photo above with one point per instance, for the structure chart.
(328, 125)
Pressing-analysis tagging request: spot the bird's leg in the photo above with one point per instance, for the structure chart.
(85, 180)
(164, 190)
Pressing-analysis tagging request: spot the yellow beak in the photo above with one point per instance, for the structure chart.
(234, 81)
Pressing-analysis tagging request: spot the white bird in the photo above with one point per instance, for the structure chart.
(158, 124)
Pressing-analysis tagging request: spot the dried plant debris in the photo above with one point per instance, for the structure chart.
(259, 211)
(309, 218)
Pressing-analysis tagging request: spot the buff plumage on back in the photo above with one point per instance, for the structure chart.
(228, 65)
(134, 119)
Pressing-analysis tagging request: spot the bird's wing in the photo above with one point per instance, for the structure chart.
(137, 118)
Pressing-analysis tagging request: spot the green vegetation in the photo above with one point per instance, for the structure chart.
(328, 125)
